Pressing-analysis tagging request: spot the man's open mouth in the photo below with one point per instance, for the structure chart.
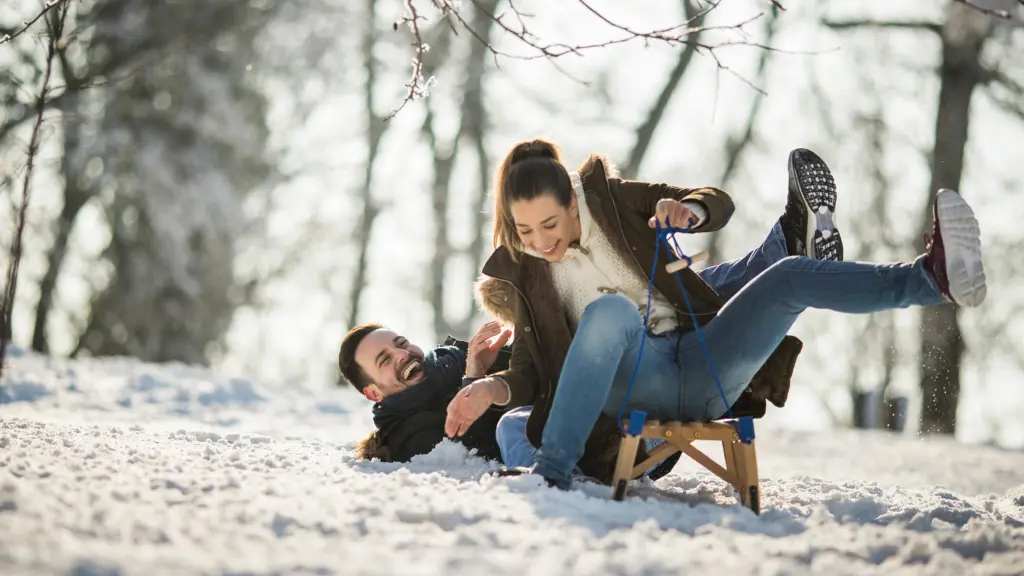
(411, 370)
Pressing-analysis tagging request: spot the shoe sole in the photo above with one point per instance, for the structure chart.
(961, 242)
(816, 189)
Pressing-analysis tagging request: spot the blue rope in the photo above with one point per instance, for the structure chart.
(663, 235)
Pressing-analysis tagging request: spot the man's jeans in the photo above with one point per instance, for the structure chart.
(726, 278)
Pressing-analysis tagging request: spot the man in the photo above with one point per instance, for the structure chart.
(411, 389)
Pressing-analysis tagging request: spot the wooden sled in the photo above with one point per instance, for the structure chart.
(736, 436)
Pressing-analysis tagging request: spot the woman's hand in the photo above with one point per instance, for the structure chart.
(482, 350)
(671, 212)
(470, 404)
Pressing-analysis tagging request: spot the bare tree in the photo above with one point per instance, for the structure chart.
(54, 44)
(736, 145)
(182, 145)
(964, 36)
(472, 124)
(376, 126)
(876, 342)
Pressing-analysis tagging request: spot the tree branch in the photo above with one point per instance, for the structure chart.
(681, 34)
(417, 86)
(1004, 14)
(883, 25)
(1014, 104)
(49, 5)
(54, 44)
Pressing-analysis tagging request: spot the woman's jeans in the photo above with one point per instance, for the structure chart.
(726, 278)
(674, 380)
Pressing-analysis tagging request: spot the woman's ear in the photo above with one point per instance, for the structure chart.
(574, 206)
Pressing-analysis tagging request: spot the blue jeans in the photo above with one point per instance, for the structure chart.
(516, 450)
(675, 381)
(726, 278)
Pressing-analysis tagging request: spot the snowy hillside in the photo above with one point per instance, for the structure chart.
(116, 467)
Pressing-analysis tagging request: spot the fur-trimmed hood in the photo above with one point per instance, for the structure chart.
(495, 296)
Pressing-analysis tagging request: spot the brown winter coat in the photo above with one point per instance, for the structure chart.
(522, 293)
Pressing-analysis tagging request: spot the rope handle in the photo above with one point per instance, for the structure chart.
(681, 263)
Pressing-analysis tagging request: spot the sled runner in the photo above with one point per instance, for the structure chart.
(736, 437)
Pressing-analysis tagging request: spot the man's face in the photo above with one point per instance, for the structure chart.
(391, 361)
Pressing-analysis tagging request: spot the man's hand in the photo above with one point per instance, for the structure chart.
(671, 212)
(482, 350)
(470, 404)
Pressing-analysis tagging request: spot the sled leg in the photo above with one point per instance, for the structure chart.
(744, 461)
(624, 465)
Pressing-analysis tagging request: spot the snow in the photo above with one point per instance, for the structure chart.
(113, 466)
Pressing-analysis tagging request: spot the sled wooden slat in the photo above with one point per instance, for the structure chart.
(660, 453)
(740, 470)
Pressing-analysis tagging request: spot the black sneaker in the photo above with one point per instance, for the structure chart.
(954, 250)
(809, 221)
(507, 471)
(511, 471)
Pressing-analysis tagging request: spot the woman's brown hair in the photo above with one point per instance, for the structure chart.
(530, 169)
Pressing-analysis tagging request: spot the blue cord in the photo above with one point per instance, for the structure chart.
(663, 235)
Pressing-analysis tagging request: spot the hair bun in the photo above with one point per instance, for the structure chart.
(534, 149)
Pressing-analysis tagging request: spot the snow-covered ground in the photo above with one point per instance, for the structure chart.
(116, 467)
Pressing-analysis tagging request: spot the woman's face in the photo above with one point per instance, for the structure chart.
(545, 226)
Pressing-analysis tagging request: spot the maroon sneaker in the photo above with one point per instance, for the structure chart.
(954, 250)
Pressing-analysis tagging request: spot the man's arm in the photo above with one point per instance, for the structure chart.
(642, 197)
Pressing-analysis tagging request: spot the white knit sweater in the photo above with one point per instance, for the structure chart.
(594, 268)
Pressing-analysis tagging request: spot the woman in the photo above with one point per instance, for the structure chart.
(575, 251)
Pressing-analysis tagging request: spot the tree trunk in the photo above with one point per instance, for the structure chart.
(736, 145)
(941, 344)
(444, 162)
(472, 124)
(75, 197)
(475, 124)
(645, 133)
(375, 129)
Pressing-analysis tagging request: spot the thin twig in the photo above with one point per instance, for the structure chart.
(898, 24)
(46, 8)
(990, 11)
(656, 34)
(6, 327)
(417, 87)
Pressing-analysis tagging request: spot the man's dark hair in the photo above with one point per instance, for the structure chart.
(350, 370)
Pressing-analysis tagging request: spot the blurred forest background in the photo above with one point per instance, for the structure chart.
(235, 183)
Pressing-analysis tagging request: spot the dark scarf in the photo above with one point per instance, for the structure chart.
(443, 368)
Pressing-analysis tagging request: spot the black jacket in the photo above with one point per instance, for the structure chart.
(412, 422)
